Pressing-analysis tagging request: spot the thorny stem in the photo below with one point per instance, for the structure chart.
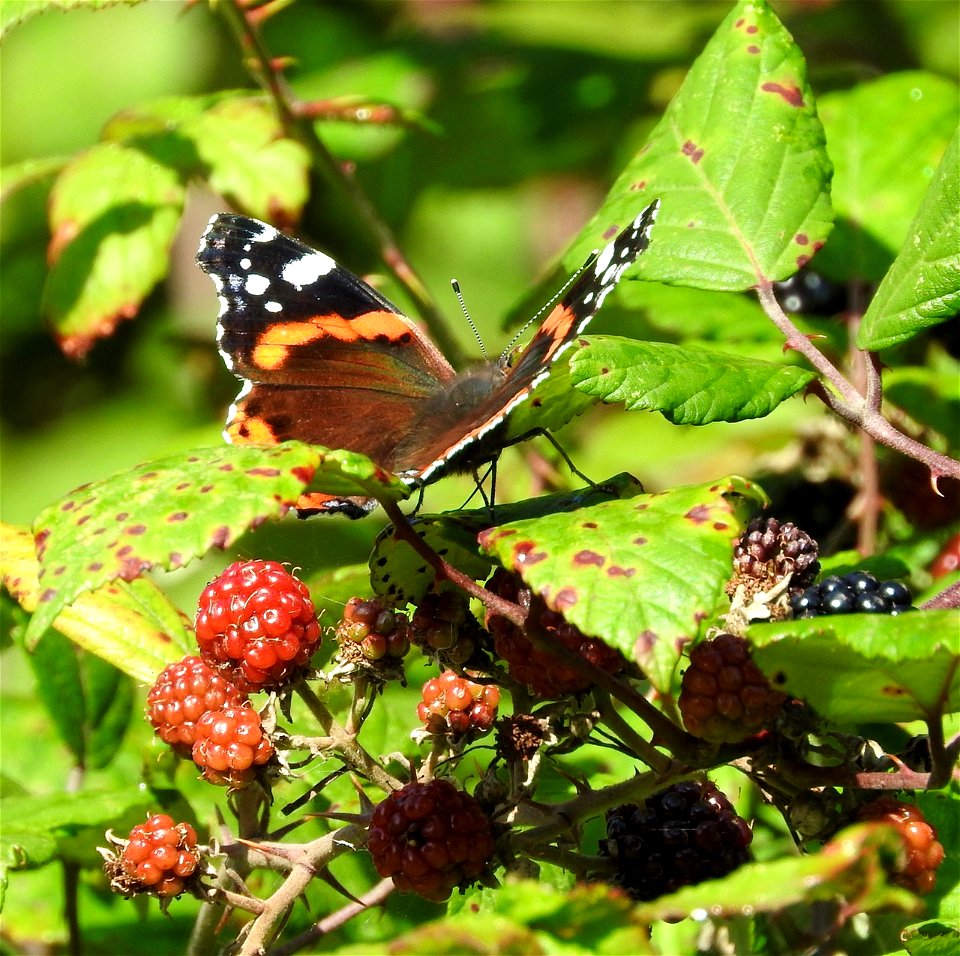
(296, 121)
(305, 863)
(345, 744)
(374, 897)
(846, 401)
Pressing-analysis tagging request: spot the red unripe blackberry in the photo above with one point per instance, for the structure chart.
(543, 673)
(256, 623)
(442, 624)
(453, 705)
(923, 854)
(724, 696)
(181, 694)
(377, 632)
(161, 856)
(677, 837)
(430, 837)
(948, 560)
(231, 746)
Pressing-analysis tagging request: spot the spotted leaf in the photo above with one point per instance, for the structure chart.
(642, 574)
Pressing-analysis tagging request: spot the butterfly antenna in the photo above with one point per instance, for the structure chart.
(548, 305)
(466, 315)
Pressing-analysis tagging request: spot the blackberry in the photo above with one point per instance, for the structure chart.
(257, 624)
(443, 625)
(231, 746)
(458, 707)
(769, 550)
(181, 694)
(160, 857)
(543, 673)
(373, 640)
(856, 592)
(677, 837)
(922, 852)
(809, 293)
(430, 837)
(724, 696)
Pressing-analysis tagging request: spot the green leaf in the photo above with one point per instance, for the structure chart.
(927, 393)
(161, 513)
(113, 215)
(933, 938)
(28, 172)
(14, 12)
(249, 161)
(882, 669)
(922, 287)
(641, 574)
(850, 866)
(400, 575)
(132, 625)
(880, 179)
(739, 162)
(33, 824)
(687, 386)
(700, 313)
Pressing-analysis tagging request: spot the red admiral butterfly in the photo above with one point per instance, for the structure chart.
(328, 360)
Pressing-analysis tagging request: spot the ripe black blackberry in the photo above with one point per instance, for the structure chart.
(768, 551)
(724, 696)
(430, 837)
(542, 672)
(856, 592)
(922, 852)
(677, 837)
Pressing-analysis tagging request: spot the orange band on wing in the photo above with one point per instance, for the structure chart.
(274, 342)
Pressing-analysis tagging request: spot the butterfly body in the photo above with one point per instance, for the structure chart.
(327, 360)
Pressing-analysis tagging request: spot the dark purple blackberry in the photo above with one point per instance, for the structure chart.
(766, 552)
(855, 593)
(677, 837)
(810, 293)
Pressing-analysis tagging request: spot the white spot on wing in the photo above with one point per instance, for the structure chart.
(266, 234)
(256, 284)
(245, 263)
(307, 269)
(604, 259)
(272, 306)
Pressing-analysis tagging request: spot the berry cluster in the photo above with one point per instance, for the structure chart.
(724, 696)
(769, 550)
(923, 853)
(677, 837)
(856, 592)
(430, 837)
(442, 624)
(257, 624)
(453, 705)
(372, 630)
(160, 858)
(181, 695)
(231, 746)
(544, 674)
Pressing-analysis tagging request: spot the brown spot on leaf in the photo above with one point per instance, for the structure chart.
(644, 643)
(615, 571)
(791, 94)
(68, 506)
(206, 489)
(264, 472)
(753, 48)
(135, 529)
(48, 595)
(589, 525)
(801, 239)
(892, 690)
(638, 187)
(640, 540)
(122, 516)
(178, 516)
(589, 558)
(226, 466)
(175, 560)
(699, 514)
(59, 570)
(95, 566)
(221, 537)
(690, 149)
(720, 526)
(524, 554)
(566, 598)
(753, 28)
(802, 261)
(183, 486)
(83, 519)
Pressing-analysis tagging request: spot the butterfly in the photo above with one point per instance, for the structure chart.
(327, 360)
